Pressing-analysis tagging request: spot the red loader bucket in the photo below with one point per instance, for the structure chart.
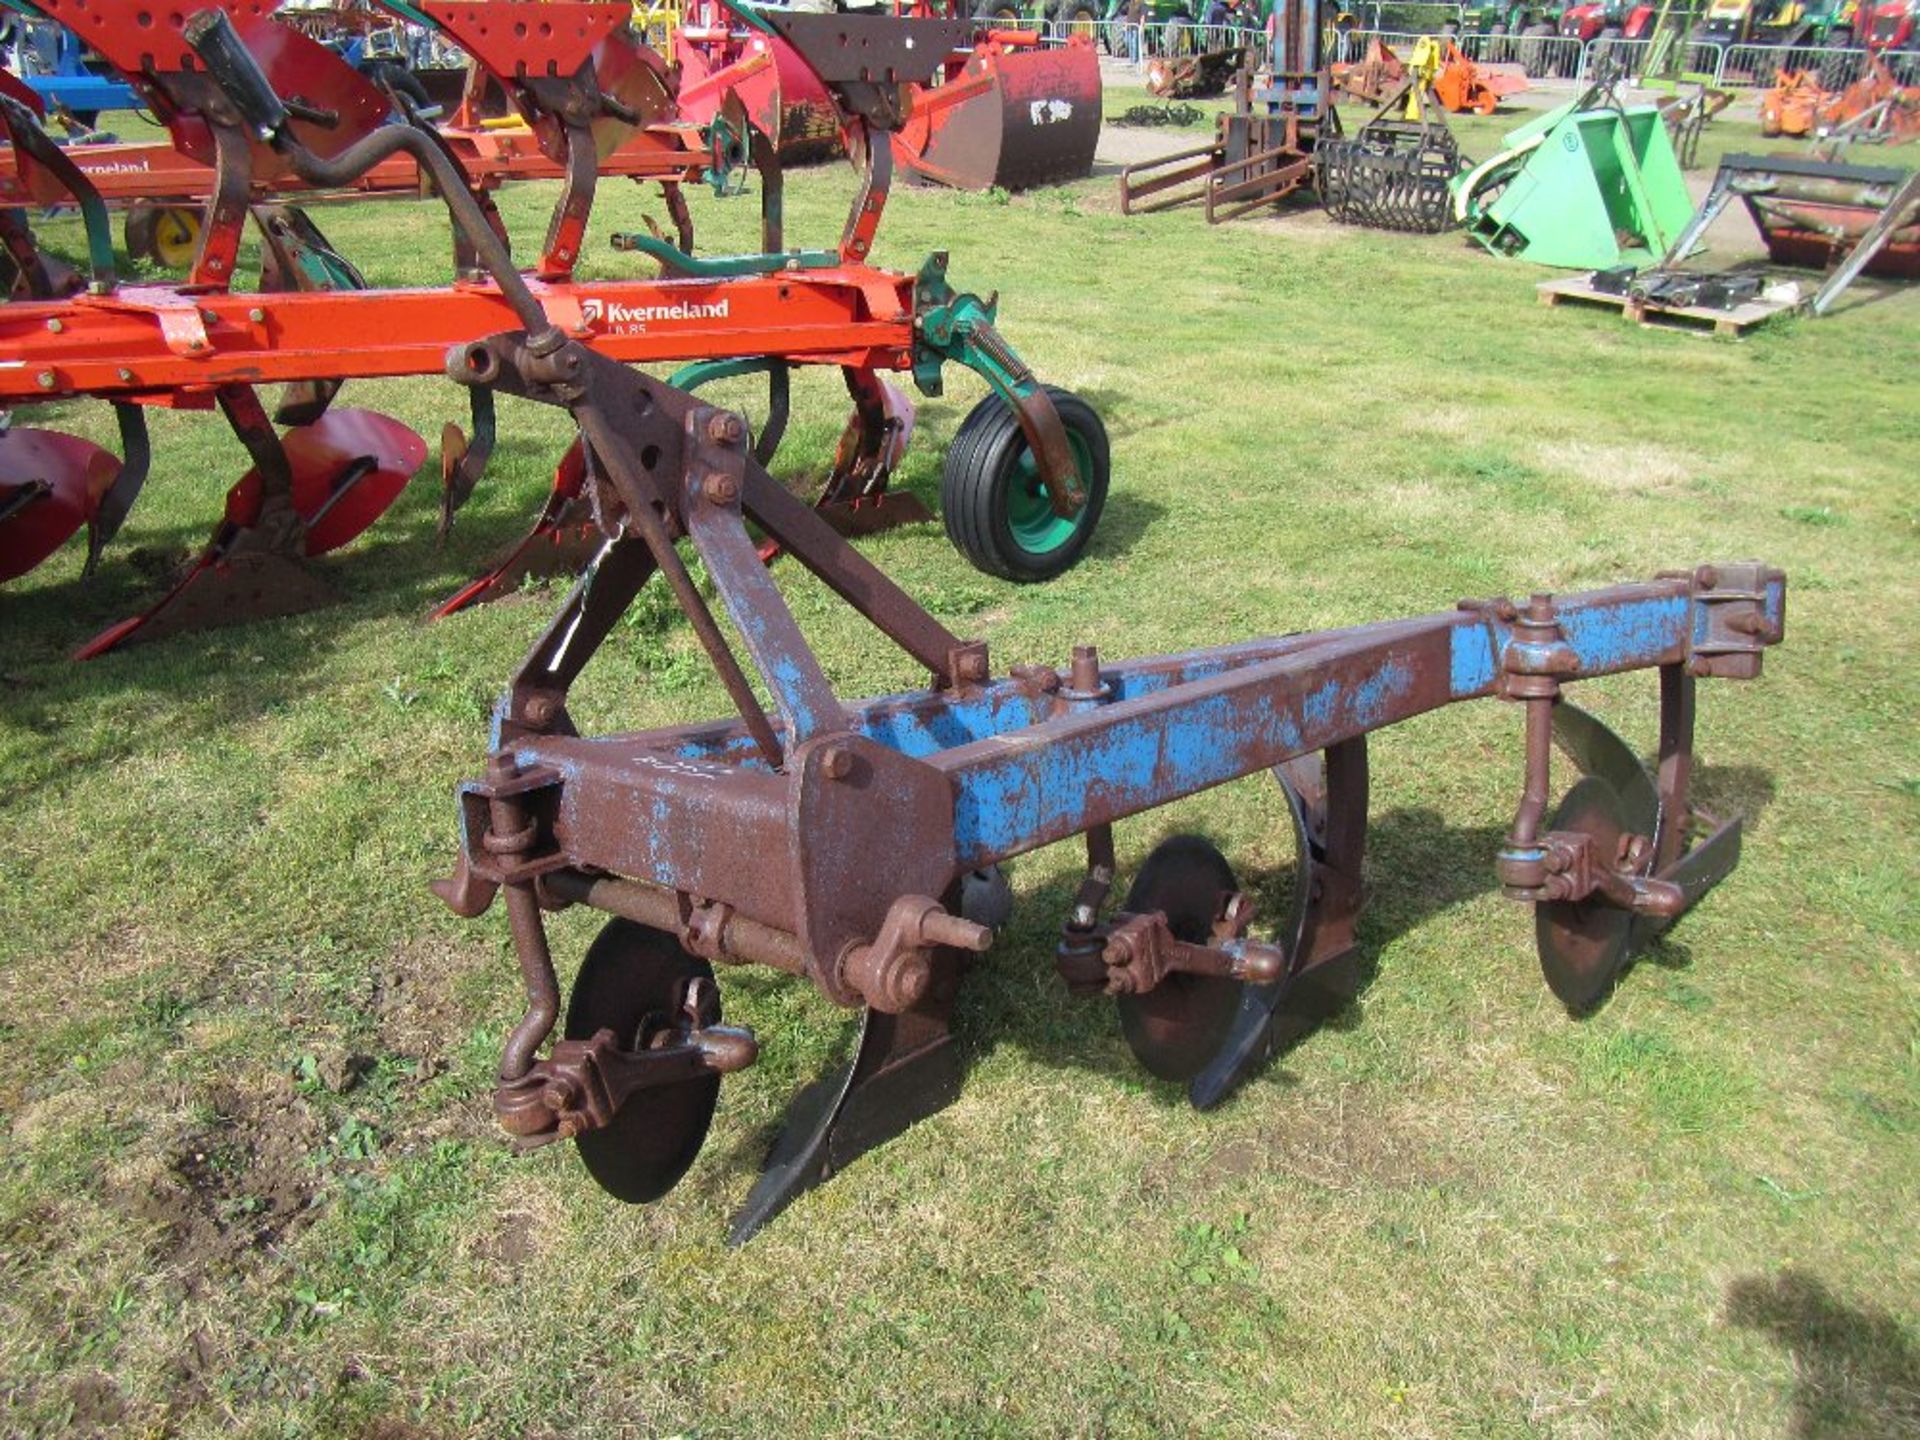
(1012, 116)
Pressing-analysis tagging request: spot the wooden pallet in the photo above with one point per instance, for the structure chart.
(1697, 318)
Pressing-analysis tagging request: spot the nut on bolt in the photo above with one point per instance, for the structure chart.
(725, 428)
(836, 762)
(721, 489)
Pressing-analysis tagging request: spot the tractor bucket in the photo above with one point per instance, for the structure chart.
(50, 485)
(1012, 117)
(1392, 173)
(1584, 188)
(343, 472)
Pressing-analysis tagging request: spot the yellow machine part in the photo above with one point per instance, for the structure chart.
(1423, 66)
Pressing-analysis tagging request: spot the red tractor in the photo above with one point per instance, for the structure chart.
(1890, 26)
(1613, 20)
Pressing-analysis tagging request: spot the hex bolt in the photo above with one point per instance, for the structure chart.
(721, 489)
(124, 373)
(725, 428)
(540, 710)
(836, 762)
(54, 327)
(257, 315)
(1707, 578)
(44, 380)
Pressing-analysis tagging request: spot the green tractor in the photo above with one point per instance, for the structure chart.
(1790, 27)
(1027, 14)
(1182, 23)
(1496, 31)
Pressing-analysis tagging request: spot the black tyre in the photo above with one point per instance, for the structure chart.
(1076, 17)
(138, 226)
(997, 511)
(1838, 71)
(1532, 50)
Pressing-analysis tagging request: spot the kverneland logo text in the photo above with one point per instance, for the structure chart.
(602, 312)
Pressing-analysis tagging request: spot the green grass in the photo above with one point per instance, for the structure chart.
(248, 1181)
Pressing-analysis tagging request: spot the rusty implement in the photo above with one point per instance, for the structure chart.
(1194, 77)
(838, 841)
(1875, 109)
(1394, 171)
(1374, 76)
(1818, 214)
(1007, 114)
(1262, 151)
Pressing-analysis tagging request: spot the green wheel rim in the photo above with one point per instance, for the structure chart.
(1036, 529)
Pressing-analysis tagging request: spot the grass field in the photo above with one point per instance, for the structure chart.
(249, 1185)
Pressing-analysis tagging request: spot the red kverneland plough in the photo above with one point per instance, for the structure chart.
(163, 185)
(1022, 503)
(1006, 109)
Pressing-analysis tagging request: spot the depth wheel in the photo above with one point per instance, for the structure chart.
(168, 235)
(1179, 1025)
(997, 510)
(1583, 944)
(637, 982)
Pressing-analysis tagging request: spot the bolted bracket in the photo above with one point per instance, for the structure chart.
(1739, 610)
